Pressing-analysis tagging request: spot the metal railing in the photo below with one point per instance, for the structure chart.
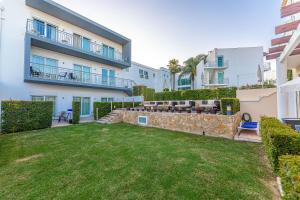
(54, 34)
(65, 75)
(214, 65)
(225, 81)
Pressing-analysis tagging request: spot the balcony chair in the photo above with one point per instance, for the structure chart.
(249, 126)
(35, 72)
(62, 75)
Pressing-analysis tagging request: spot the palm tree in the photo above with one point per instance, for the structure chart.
(190, 67)
(174, 68)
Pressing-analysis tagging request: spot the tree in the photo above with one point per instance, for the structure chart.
(174, 68)
(190, 67)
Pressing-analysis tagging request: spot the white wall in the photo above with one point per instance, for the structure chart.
(12, 85)
(242, 65)
(158, 79)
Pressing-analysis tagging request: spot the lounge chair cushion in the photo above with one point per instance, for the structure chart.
(250, 125)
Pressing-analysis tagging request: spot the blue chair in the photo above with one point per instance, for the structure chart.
(249, 126)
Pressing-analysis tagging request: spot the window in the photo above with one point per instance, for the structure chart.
(47, 65)
(107, 99)
(146, 75)
(141, 72)
(86, 44)
(143, 120)
(82, 73)
(46, 98)
(220, 61)
(153, 75)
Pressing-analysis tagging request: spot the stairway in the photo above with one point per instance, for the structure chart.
(111, 118)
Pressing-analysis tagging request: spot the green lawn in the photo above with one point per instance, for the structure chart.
(123, 161)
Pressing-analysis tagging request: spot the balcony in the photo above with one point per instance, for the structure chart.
(51, 38)
(69, 77)
(214, 66)
(216, 83)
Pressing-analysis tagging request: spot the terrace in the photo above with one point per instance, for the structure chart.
(71, 77)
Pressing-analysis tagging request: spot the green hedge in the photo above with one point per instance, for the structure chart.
(141, 90)
(104, 108)
(76, 112)
(20, 116)
(233, 102)
(202, 94)
(278, 139)
(290, 176)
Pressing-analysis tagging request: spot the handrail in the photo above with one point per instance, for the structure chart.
(49, 72)
(69, 39)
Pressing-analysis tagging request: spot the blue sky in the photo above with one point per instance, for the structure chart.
(165, 29)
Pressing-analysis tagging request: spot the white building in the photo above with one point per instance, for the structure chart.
(228, 67)
(49, 52)
(158, 79)
(286, 51)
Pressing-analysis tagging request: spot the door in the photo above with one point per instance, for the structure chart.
(86, 74)
(39, 27)
(77, 71)
(112, 77)
(37, 63)
(111, 53)
(105, 50)
(85, 106)
(51, 67)
(86, 44)
(104, 76)
(77, 42)
(51, 32)
(220, 61)
(220, 77)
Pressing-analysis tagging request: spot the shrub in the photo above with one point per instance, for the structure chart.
(278, 139)
(290, 176)
(20, 116)
(141, 90)
(202, 94)
(76, 112)
(233, 102)
(104, 108)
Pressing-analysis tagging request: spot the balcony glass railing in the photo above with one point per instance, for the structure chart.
(65, 75)
(39, 28)
(213, 65)
(224, 81)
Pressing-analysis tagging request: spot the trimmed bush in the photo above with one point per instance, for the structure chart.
(202, 94)
(233, 102)
(141, 90)
(278, 139)
(20, 116)
(75, 112)
(290, 176)
(104, 108)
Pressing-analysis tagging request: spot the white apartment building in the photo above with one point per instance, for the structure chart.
(286, 51)
(158, 79)
(49, 52)
(231, 67)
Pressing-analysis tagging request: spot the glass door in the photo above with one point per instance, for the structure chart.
(77, 42)
(104, 76)
(105, 50)
(85, 106)
(39, 27)
(111, 52)
(37, 64)
(51, 32)
(51, 67)
(86, 44)
(220, 77)
(86, 74)
(112, 77)
(77, 72)
(220, 61)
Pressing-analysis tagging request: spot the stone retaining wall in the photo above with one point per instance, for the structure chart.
(211, 125)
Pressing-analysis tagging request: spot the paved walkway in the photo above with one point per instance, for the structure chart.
(55, 123)
(248, 136)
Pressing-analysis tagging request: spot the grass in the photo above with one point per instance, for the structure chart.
(123, 161)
